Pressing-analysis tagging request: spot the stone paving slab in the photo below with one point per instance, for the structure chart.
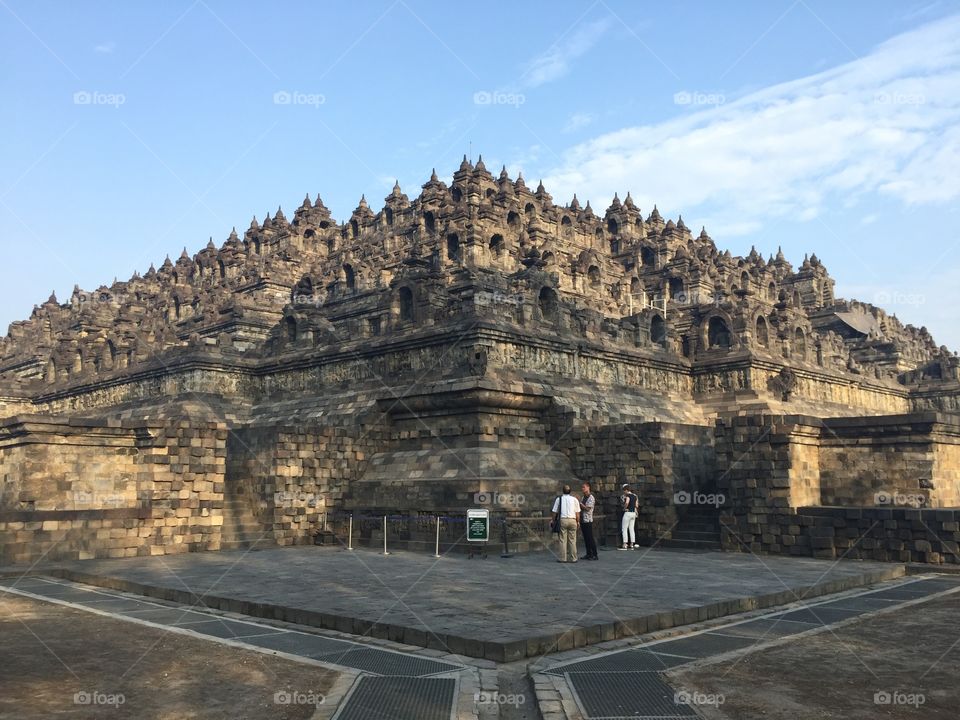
(499, 609)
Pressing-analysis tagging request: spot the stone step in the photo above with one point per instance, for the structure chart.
(683, 544)
(689, 535)
(251, 536)
(699, 527)
(246, 544)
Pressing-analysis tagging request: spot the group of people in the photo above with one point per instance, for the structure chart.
(571, 514)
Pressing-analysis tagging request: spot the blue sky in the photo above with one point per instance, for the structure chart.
(131, 130)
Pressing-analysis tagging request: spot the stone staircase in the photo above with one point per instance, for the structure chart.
(698, 528)
(241, 528)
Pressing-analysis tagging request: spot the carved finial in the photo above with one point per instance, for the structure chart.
(480, 167)
(574, 204)
(306, 201)
(363, 202)
(628, 200)
(503, 173)
(210, 245)
(396, 188)
(184, 255)
(52, 300)
(680, 224)
(233, 235)
(254, 225)
(433, 175)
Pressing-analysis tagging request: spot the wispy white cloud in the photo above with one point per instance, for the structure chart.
(556, 61)
(106, 48)
(578, 121)
(886, 124)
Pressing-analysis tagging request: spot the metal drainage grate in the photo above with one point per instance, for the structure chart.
(818, 615)
(381, 662)
(607, 696)
(704, 645)
(393, 698)
(295, 643)
(626, 661)
(765, 629)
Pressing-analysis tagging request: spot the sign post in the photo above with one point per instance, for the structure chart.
(478, 525)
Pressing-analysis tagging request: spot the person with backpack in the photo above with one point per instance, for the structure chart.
(566, 518)
(628, 503)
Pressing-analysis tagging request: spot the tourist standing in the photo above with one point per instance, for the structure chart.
(567, 509)
(628, 503)
(587, 503)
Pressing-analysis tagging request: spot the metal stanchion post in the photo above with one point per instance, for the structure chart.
(437, 552)
(506, 544)
(385, 535)
(350, 535)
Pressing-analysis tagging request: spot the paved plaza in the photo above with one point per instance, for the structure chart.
(692, 634)
(500, 609)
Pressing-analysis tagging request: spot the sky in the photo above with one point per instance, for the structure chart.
(131, 131)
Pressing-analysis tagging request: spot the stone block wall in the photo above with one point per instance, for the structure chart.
(784, 474)
(87, 489)
(291, 476)
(657, 460)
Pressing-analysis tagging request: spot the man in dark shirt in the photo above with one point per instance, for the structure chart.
(587, 503)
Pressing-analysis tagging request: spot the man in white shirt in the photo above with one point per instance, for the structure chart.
(567, 507)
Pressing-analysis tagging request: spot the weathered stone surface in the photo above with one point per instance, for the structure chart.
(479, 341)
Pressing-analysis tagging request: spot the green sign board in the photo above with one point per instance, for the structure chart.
(478, 525)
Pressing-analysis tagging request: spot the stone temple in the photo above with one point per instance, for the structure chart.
(479, 338)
